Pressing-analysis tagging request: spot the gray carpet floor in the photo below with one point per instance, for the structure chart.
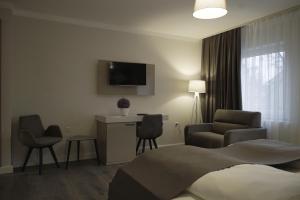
(82, 181)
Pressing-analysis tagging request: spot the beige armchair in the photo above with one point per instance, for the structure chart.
(229, 126)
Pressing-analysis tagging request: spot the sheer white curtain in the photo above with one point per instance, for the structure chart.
(270, 73)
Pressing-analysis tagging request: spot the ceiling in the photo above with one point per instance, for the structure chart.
(166, 17)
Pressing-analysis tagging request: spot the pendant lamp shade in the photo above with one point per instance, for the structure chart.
(209, 9)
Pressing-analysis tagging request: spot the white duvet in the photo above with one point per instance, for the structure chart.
(245, 182)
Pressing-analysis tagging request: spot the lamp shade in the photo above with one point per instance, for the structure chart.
(197, 86)
(209, 9)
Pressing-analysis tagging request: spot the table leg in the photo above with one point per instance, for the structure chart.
(144, 141)
(41, 160)
(97, 153)
(78, 149)
(27, 157)
(138, 145)
(68, 155)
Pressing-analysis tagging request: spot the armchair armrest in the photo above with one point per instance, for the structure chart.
(189, 129)
(53, 131)
(238, 135)
(26, 137)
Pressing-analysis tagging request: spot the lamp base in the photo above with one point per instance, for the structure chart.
(196, 117)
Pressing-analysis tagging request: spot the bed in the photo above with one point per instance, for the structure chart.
(193, 173)
(238, 182)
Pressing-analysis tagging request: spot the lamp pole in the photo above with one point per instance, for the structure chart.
(197, 87)
(196, 110)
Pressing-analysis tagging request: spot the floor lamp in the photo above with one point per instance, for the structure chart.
(197, 87)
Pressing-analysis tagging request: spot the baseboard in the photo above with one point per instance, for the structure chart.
(83, 156)
(6, 169)
(147, 146)
(49, 160)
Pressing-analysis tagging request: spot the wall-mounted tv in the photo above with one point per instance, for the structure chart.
(127, 74)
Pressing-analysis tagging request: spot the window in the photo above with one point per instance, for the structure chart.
(270, 73)
(263, 85)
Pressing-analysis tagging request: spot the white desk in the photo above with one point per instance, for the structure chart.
(117, 137)
(122, 119)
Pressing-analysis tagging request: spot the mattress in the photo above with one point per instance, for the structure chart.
(168, 172)
(247, 182)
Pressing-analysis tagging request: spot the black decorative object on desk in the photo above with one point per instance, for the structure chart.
(123, 104)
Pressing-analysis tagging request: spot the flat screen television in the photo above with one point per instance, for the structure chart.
(127, 74)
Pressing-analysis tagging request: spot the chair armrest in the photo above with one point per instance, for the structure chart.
(53, 131)
(238, 135)
(189, 129)
(26, 137)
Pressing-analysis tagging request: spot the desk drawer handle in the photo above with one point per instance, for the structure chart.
(129, 124)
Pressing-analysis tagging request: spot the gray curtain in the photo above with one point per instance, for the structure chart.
(221, 63)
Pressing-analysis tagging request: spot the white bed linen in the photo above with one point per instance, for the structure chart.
(187, 196)
(247, 182)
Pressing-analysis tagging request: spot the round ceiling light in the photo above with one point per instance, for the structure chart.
(209, 9)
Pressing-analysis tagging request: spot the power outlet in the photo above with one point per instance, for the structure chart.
(177, 127)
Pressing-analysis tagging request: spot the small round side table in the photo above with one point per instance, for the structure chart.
(78, 139)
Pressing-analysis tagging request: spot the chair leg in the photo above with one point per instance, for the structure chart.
(97, 153)
(150, 143)
(138, 146)
(27, 158)
(78, 149)
(68, 155)
(155, 144)
(41, 160)
(144, 141)
(54, 156)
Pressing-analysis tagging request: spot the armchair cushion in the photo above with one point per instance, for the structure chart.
(221, 127)
(238, 135)
(250, 119)
(206, 139)
(46, 141)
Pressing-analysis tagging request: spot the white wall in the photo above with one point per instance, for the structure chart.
(6, 90)
(55, 75)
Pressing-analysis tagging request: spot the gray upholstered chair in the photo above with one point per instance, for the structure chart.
(229, 126)
(33, 135)
(150, 128)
